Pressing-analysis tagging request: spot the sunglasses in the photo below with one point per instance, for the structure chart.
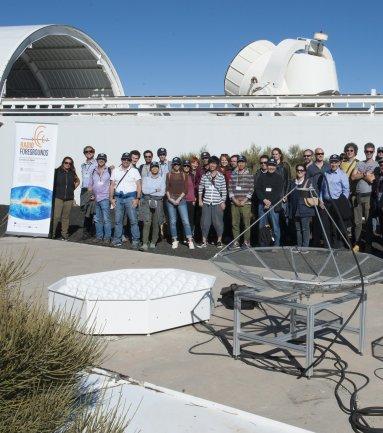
(368, 151)
(67, 162)
(263, 162)
(125, 159)
(300, 170)
(350, 150)
(319, 153)
(89, 151)
(307, 156)
(148, 156)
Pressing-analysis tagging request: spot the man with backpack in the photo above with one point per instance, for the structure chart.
(99, 186)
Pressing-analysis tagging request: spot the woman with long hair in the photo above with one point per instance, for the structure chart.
(65, 182)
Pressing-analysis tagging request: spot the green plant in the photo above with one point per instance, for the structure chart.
(43, 359)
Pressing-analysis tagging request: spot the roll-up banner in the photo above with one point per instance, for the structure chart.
(30, 207)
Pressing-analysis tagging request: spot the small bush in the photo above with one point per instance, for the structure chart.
(43, 358)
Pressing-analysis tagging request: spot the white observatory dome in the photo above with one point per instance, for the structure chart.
(293, 67)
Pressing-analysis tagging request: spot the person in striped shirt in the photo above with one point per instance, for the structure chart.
(241, 189)
(212, 196)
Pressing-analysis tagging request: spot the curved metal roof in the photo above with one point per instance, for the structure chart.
(54, 61)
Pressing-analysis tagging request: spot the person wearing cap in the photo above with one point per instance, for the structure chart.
(125, 194)
(334, 201)
(151, 211)
(191, 194)
(99, 187)
(176, 191)
(363, 175)
(164, 165)
(241, 189)
(144, 169)
(205, 162)
(87, 168)
(269, 191)
(212, 194)
(379, 156)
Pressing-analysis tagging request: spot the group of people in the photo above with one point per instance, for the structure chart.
(215, 200)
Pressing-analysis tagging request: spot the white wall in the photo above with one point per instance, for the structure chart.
(114, 135)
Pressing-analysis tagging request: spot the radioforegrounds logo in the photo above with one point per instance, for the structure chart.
(36, 144)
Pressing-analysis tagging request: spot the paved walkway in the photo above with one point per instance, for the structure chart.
(189, 359)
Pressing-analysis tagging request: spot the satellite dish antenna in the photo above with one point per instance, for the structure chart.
(293, 67)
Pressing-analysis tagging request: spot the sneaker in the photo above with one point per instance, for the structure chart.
(124, 239)
(135, 245)
(97, 241)
(63, 238)
(235, 245)
(191, 244)
(144, 247)
(106, 241)
(174, 244)
(356, 248)
(116, 244)
(246, 245)
(203, 245)
(219, 244)
(152, 245)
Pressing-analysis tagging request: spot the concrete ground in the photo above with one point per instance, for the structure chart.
(193, 360)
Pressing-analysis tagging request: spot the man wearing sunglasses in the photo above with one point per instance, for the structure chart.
(125, 194)
(315, 172)
(308, 157)
(87, 168)
(145, 168)
(363, 175)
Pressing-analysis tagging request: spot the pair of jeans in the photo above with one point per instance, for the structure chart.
(153, 224)
(61, 212)
(272, 217)
(125, 206)
(183, 213)
(102, 220)
(212, 214)
(302, 229)
(239, 213)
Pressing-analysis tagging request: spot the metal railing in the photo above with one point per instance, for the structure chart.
(165, 105)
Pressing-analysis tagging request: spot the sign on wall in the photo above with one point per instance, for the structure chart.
(30, 206)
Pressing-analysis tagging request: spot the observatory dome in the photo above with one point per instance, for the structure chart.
(293, 67)
(54, 61)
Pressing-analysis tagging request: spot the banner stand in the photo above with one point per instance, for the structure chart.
(31, 204)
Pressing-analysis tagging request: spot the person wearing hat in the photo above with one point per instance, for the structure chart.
(176, 191)
(241, 189)
(125, 194)
(191, 194)
(87, 168)
(212, 198)
(99, 187)
(164, 165)
(334, 197)
(151, 210)
(363, 175)
(269, 191)
(205, 162)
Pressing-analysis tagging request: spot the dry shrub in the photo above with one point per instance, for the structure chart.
(43, 357)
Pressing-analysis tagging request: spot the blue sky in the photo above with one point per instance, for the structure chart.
(184, 47)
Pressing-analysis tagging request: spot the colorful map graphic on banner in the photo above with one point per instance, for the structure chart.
(30, 207)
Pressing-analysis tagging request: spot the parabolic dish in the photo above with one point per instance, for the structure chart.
(302, 270)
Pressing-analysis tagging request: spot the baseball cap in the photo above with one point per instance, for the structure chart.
(102, 156)
(214, 159)
(161, 151)
(205, 155)
(242, 158)
(380, 149)
(334, 158)
(154, 164)
(176, 160)
(186, 162)
(271, 161)
(126, 155)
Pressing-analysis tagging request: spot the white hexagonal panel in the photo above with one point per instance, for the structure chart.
(134, 301)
